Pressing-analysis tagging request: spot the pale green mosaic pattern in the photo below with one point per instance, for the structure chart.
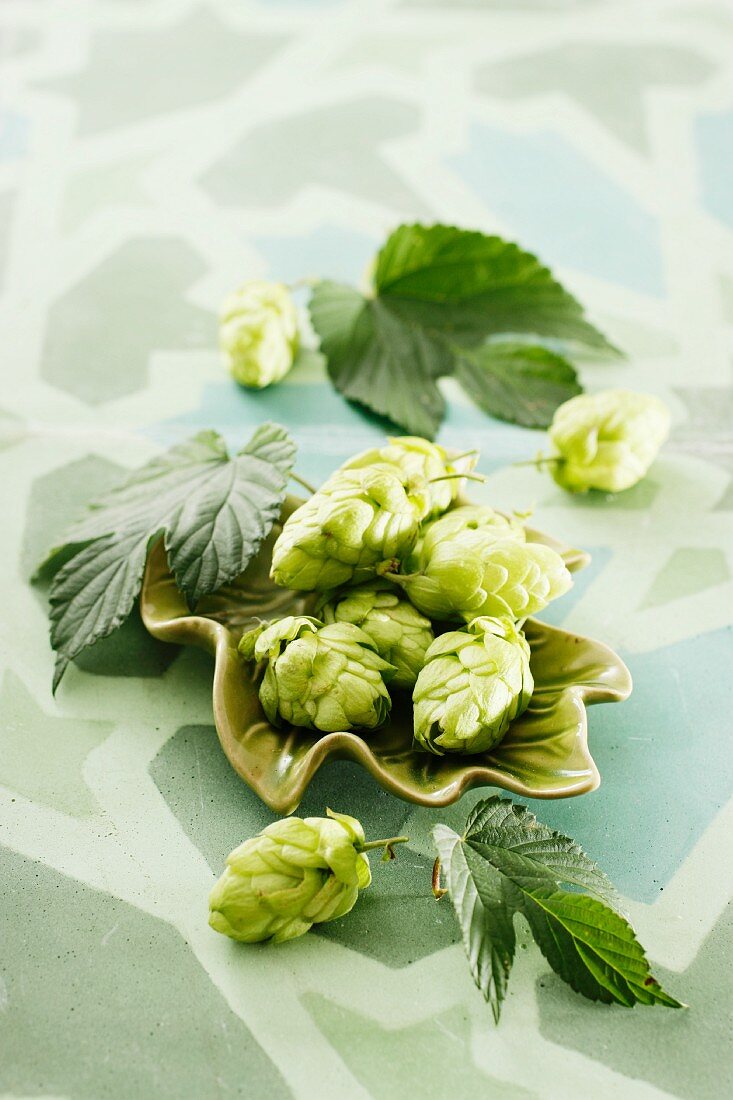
(153, 153)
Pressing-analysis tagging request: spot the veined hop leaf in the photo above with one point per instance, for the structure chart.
(437, 291)
(507, 862)
(212, 510)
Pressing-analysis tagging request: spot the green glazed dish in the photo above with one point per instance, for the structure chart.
(544, 754)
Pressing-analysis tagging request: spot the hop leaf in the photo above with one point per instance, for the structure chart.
(506, 863)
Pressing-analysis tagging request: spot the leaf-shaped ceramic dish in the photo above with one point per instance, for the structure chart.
(543, 755)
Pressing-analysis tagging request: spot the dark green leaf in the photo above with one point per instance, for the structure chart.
(212, 510)
(477, 893)
(523, 383)
(437, 291)
(374, 357)
(507, 863)
(512, 828)
(473, 285)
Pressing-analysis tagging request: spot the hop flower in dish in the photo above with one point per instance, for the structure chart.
(399, 632)
(474, 683)
(474, 573)
(328, 678)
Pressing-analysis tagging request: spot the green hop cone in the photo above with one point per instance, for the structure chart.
(294, 874)
(474, 683)
(474, 573)
(328, 678)
(467, 517)
(400, 633)
(258, 333)
(356, 521)
(429, 474)
(606, 440)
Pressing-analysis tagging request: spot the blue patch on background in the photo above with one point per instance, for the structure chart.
(13, 135)
(327, 253)
(561, 205)
(715, 146)
(664, 759)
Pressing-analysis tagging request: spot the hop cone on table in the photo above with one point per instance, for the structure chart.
(474, 573)
(399, 632)
(474, 682)
(328, 678)
(607, 440)
(258, 333)
(294, 874)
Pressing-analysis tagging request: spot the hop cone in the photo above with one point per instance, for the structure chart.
(357, 520)
(467, 517)
(294, 874)
(328, 678)
(258, 333)
(475, 573)
(607, 440)
(399, 632)
(473, 684)
(422, 464)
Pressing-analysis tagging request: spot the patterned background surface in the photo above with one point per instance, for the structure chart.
(152, 154)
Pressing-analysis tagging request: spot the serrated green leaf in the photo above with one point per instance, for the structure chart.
(213, 512)
(439, 290)
(522, 383)
(477, 893)
(507, 863)
(512, 828)
(378, 360)
(473, 285)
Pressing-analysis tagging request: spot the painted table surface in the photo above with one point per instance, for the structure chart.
(153, 155)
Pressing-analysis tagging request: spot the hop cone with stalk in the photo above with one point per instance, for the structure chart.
(606, 440)
(399, 632)
(429, 472)
(474, 573)
(474, 683)
(366, 514)
(328, 678)
(294, 874)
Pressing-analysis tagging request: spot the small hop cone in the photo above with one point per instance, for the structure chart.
(356, 521)
(467, 517)
(294, 874)
(475, 573)
(430, 474)
(607, 440)
(324, 677)
(399, 632)
(258, 333)
(474, 683)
